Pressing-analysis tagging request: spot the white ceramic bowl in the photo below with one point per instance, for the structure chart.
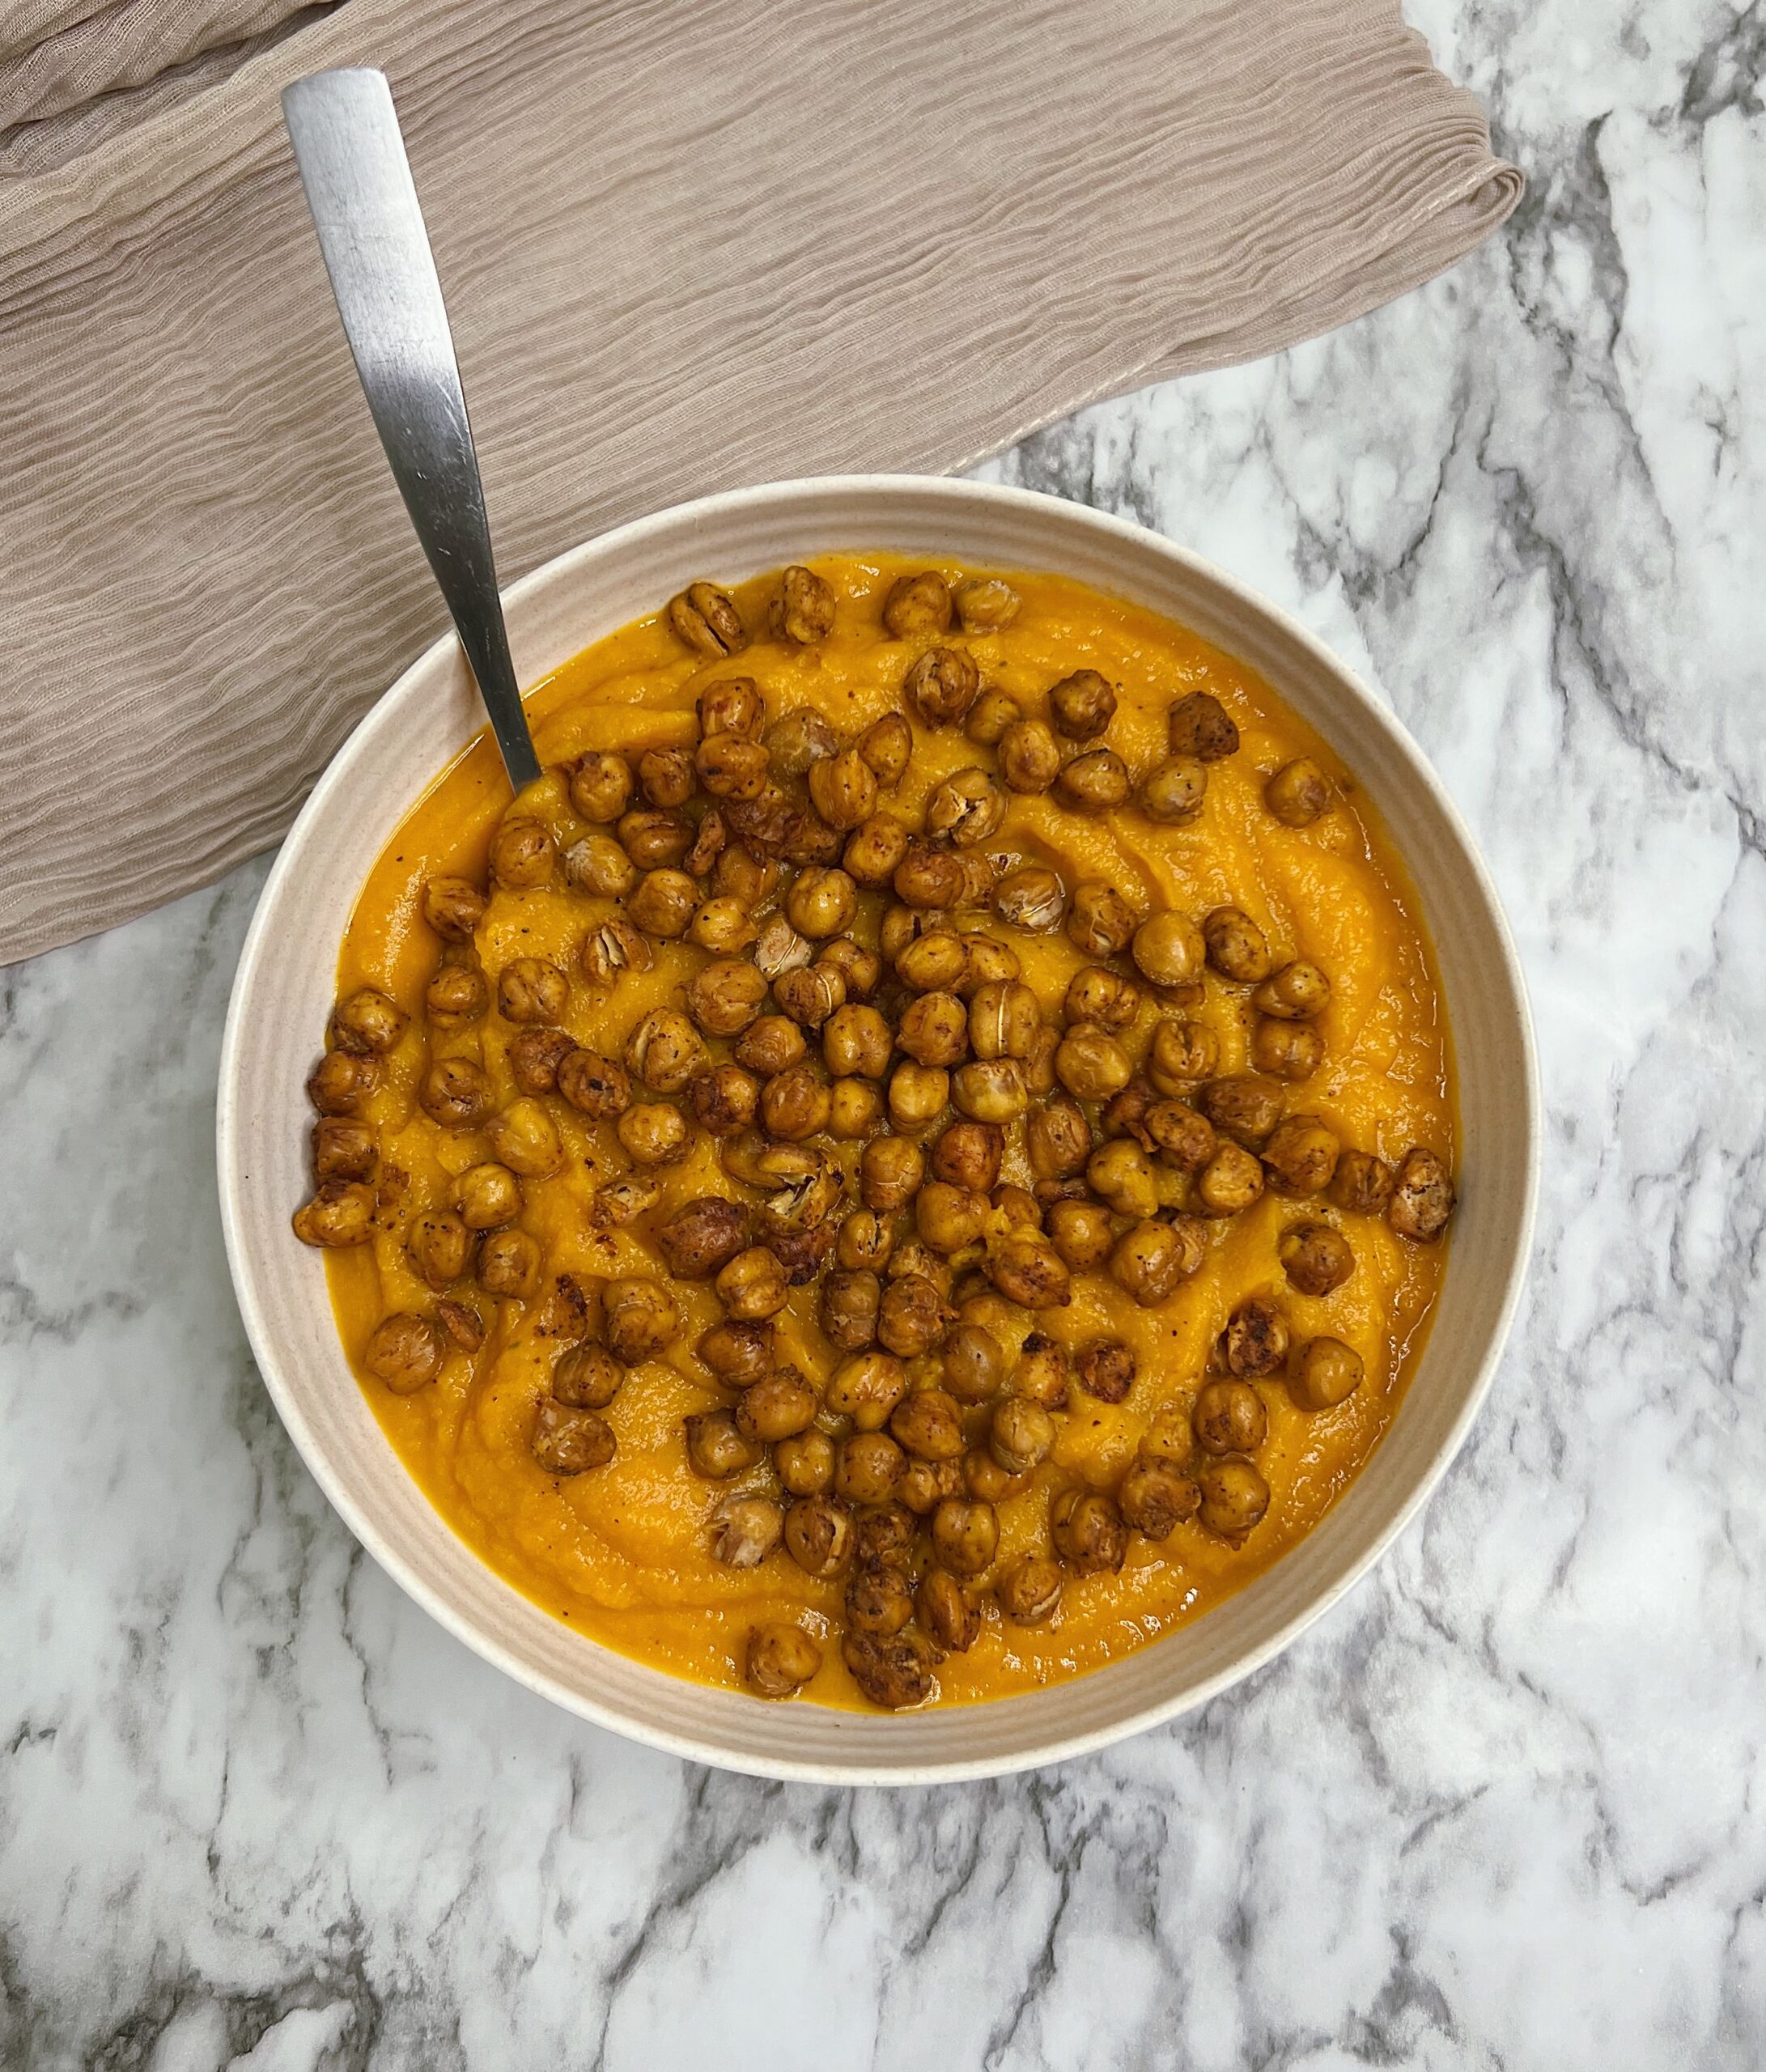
(284, 989)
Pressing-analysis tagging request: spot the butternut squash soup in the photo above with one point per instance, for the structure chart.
(913, 1161)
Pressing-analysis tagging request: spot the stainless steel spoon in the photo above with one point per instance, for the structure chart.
(364, 205)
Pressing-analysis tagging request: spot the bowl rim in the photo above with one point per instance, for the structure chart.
(486, 1644)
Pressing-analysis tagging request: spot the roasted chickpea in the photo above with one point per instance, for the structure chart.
(706, 618)
(1300, 991)
(798, 742)
(1093, 782)
(935, 962)
(725, 996)
(455, 1093)
(1231, 1182)
(530, 989)
(665, 1051)
(1298, 792)
(865, 1242)
(1082, 706)
(746, 1530)
(1105, 1369)
(1029, 1591)
(1152, 1258)
(1100, 922)
(967, 1157)
(453, 907)
(1182, 1137)
(404, 1351)
(989, 717)
(896, 1673)
(587, 1377)
(912, 1317)
(666, 776)
(874, 850)
(890, 1170)
(1182, 1052)
(887, 745)
(966, 1536)
(1168, 950)
(1300, 1156)
(778, 1407)
(1362, 1184)
(770, 1046)
(1423, 1198)
(949, 1218)
(990, 1090)
(739, 874)
(1255, 1340)
(802, 609)
(1087, 1531)
(972, 1363)
(866, 1468)
(598, 864)
(601, 787)
(948, 1618)
(1234, 1497)
(729, 767)
(487, 1196)
(1040, 1374)
(917, 1095)
(641, 1319)
(1021, 1435)
(526, 1140)
(723, 1099)
(781, 1658)
(1229, 1417)
(611, 949)
(594, 1086)
(1091, 1064)
(843, 789)
(509, 1264)
(1031, 897)
(856, 1040)
(1287, 1050)
(1327, 1373)
(855, 1110)
(1154, 1497)
(702, 1235)
(753, 1286)
(935, 1029)
(1080, 1233)
(1058, 1139)
(522, 853)
(811, 995)
(966, 808)
(942, 685)
(929, 1425)
(567, 1442)
(1247, 1109)
(795, 1105)
(1005, 1019)
(342, 1082)
(928, 878)
(821, 903)
(664, 903)
(734, 706)
(1316, 1259)
(1172, 793)
(918, 606)
(367, 1023)
(1120, 1175)
(723, 926)
(926, 1484)
(1235, 945)
(879, 1602)
(849, 1308)
(341, 1214)
(534, 1056)
(655, 840)
(866, 1386)
(1026, 1269)
(818, 1531)
(805, 1464)
(347, 1150)
(1200, 726)
(987, 605)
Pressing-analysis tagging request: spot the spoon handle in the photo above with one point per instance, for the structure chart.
(364, 206)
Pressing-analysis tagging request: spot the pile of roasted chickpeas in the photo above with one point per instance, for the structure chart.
(859, 1041)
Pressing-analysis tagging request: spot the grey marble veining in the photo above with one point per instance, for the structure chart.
(1501, 1807)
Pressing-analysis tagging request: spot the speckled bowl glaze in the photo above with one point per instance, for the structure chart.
(284, 990)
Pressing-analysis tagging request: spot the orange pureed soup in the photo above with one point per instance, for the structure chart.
(1135, 1285)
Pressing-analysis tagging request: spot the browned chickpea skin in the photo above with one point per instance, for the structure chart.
(1172, 792)
(739, 1352)
(1100, 922)
(723, 926)
(1326, 1372)
(770, 1046)
(934, 1029)
(989, 717)
(568, 1442)
(917, 1095)
(926, 1484)
(1091, 1064)
(866, 1240)
(966, 808)
(1300, 991)
(934, 962)
(702, 1235)
(601, 787)
(654, 840)
(709, 843)
(457, 993)
(855, 1110)
(367, 1023)
(1168, 950)
(942, 685)
(1255, 1341)
(1041, 1374)
(1300, 1156)
(866, 1386)
(856, 1040)
(666, 777)
(732, 706)
(455, 1093)
(1082, 706)
(918, 606)
(946, 1614)
(1298, 792)
(821, 903)
(890, 1171)
(610, 949)
(1292, 1050)
(781, 1658)
(887, 745)
(1235, 945)
(509, 1264)
(1181, 1137)
(1031, 897)
(802, 1252)
(849, 1303)
(949, 1218)
(987, 605)
(462, 1323)
(342, 1082)
(593, 1085)
(487, 1196)
(1180, 1053)
(802, 608)
(798, 740)
(1245, 1108)
(912, 1317)
(874, 850)
(746, 1530)
(1094, 782)
(843, 789)
(1080, 1233)
(1362, 1185)
(929, 1425)
(725, 996)
(1120, 1173)
(1022, 1434)
(879, 1602)
(598, 864)
(706, 618)
(1104, 1369)
(343, 1149)
(526, 1140)
(990, 1090)
(1087, 1531)
(1005, 1019)
(739, 874)
(1423, 1198)
(986, 1481)
(929, 878)
(859, 965)
(587, 1377)
(534, 1055)
(532, 989)
(866, 1468)
(780, 1406)
(404, 1351)
(1153, 1257)
(1230, 1182)
(966, 1536)
(1027, 1269)
(731, 767)
(972, 1363)
(1234, 1497)
(665, 1051)
(1316, 1259)
(967, 1156)
(896, 1673)
(818, 1531)
(1058, 1139)
(753, 1286)
(641, 1319)
(1154, 1497)
(453, 907)
(664, 903)
(340, 1215)
(1229, 1417)
(522, 853)
(723, 1099)
(805, 1466)
(1199, 725)
(1029, 1590)
(796, 1104)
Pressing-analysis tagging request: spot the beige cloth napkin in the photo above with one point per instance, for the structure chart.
(685, 247)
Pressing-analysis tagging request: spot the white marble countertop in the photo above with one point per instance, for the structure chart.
(1500, 1808)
